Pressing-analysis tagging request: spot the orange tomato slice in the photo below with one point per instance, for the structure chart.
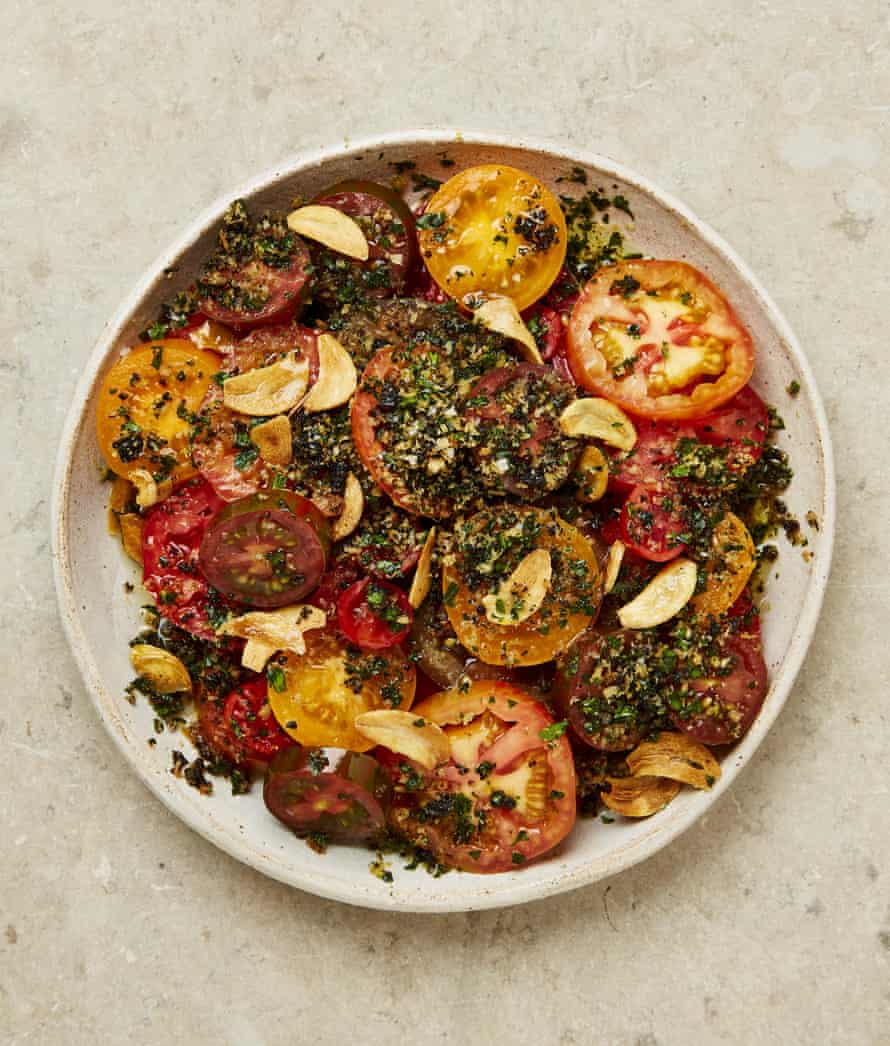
(493, 230)
(144, 407)
(329, 685)
(730, 565)
(567, 609)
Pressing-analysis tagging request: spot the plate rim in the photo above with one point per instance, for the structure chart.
(514, 891)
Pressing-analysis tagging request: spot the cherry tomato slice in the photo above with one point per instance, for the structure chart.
(652, 525)
(266, 550)
(344, 804)
(388, 225)
(520, 449)
(259, 275)
(506, 796)
(493, 230)
(374, 614)
(719, 710)
(172, 532)
(242, 729)
(658, 338)
(144, 405)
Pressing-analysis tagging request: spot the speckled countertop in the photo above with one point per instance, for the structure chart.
(768, 922)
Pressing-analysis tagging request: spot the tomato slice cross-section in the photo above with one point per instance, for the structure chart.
(658, 338)
(507, 794)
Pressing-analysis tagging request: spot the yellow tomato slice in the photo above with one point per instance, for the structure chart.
(493, 230)
(329, 685)
(730, 564)
(568, 608)
(142, 415)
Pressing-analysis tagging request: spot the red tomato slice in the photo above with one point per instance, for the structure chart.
(588, 675)
(221, 447)
(506, 796)
(742, 425)
(651, 523)
(216, 452)
(648, 463)
(521, 450)
(242, 729)
(388, 225)
(367, 419)
(374, 614)
(547, 329)
(278, 292)
(172, 532)
(334, 582)
(719, 710)
(658, 338)
(265, 345)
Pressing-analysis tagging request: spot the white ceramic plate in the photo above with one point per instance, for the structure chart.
(90, 568)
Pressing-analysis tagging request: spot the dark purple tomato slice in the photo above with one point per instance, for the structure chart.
(652, 524)
(718, 710)
(434, 645)
(388, 225)
(520, 449)
(344, 805)
(266, 550)
(601, 693)
(251, 292)
(374, 614)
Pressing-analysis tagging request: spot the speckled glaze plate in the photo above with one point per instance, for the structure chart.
(91, 569)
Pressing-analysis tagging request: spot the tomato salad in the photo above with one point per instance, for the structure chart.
(450, 508)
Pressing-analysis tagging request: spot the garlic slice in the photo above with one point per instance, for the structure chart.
(268, 631)
(163, 670)
(639, 796)
(268, 390)
(273, 437)
(333, 228)
(501, 316)
(521, 594)
(613, 566)
(353, 507)
(591, 475)
(677, 757)
(121, 494)
(148, 491)
(131, 535)
(337, 377)
(665, 596)
(599, 419)
(406, 734)
(420, 584)
(256, 654)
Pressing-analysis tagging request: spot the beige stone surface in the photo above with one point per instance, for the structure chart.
(769, 922)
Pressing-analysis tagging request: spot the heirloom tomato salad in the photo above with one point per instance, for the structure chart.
(450, 508)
